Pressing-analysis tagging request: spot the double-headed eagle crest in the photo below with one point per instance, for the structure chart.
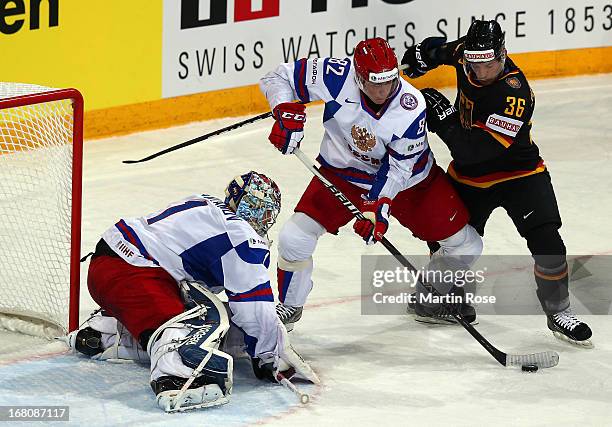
(364, 140)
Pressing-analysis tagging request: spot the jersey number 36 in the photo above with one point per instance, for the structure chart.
(516, 106)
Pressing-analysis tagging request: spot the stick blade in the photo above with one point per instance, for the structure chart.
(545, 359)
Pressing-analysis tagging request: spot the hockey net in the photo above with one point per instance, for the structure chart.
(40, 208)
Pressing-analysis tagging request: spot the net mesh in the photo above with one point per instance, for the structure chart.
(35, 212)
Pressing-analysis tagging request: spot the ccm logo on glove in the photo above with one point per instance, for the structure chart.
(293, 116)
(288, 130)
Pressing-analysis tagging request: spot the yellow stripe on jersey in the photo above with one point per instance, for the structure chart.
(487, 181)
(502, 139)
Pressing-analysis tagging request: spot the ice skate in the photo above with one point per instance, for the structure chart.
(424, 314)
(566, 327)
(288, 315)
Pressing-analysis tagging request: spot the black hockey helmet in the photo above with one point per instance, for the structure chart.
(484, 41)
(484, 52)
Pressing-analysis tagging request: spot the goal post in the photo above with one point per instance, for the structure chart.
(41, 151)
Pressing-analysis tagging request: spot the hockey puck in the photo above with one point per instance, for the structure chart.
(529, 368)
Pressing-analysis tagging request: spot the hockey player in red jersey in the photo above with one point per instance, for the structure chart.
(495, 161)
(374, 150)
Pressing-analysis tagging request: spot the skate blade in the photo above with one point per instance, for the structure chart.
(203, 397)
(439, 321)
(586, 344)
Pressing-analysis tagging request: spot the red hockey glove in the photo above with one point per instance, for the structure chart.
(288, 130)
(373, 228)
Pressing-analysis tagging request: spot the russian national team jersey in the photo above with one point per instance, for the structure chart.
(385, 152)
(199, 238)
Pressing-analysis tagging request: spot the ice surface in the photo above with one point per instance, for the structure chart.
(375, 370)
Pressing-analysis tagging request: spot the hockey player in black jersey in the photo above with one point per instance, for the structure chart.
(495, 161)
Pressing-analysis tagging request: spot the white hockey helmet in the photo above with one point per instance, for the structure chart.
(256, 199)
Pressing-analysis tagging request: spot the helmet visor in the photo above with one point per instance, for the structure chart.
(479, 55)
(384, 76)
(379, 86)
(483, 65)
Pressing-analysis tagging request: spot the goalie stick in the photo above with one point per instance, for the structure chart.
(546, 359)
(285, 382)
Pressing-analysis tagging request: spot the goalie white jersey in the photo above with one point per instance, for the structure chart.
(199, 238)
(385, 152)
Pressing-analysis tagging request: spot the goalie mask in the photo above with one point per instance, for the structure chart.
(256, 199)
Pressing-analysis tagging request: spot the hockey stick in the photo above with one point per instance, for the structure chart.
(284, 381)
(201, 138)
(214, 133)
(546, 359)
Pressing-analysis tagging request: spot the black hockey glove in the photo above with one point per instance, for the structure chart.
(263, 371)
(418, 57)
(439, 109)
(267, 371)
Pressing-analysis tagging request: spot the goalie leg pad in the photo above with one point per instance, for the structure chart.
(186, 348)
(103, 337)
(199, 395)
(195, 293)
(88, 341)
